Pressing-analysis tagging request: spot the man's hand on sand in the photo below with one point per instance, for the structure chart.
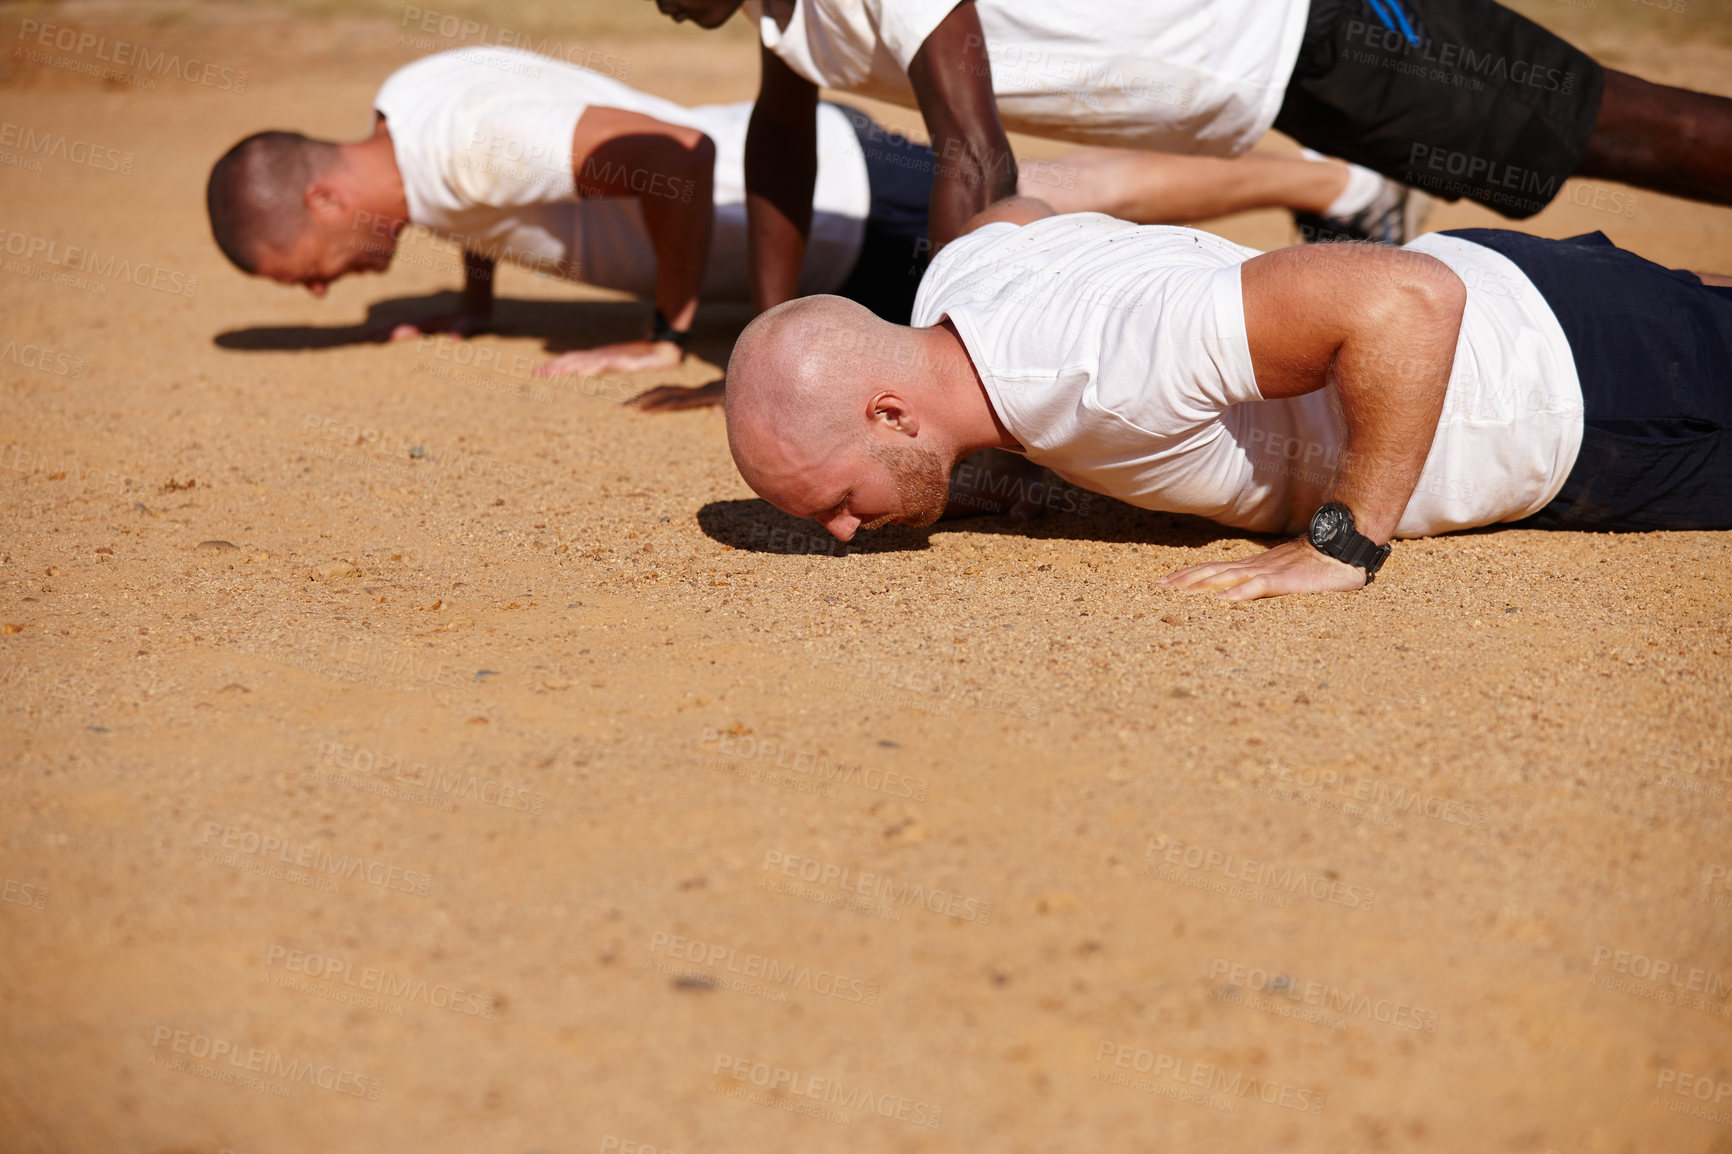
(459, 325)
(1293, 567)
(673, 398)
(625, 357)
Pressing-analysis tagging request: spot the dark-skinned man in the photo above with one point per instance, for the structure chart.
(1458, 97)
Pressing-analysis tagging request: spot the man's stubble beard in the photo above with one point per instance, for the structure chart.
(922, 484)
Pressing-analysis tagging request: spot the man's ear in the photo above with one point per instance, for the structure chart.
(892, 411)
(325, 200)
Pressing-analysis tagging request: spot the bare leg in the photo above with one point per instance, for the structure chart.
(1163, 188)
(1714, 279)
(1671, 140)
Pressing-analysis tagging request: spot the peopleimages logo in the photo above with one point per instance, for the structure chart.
(1205, 1078)
(830, 1091)
(760, 967)
(122, 53)
(247, 1060)
(41, 358)
(378, 980)
(315, 859)
(1326, 997)
(877, 887)
(1318, 886)
(58, 146)
(1664, 972)
(79, 258)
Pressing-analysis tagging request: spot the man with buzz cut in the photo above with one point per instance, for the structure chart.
(573, 174)
(1346, 394)
(1456, 97)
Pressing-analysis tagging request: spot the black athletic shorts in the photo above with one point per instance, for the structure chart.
(1653, 349)
(895, 250)
(1459, 98)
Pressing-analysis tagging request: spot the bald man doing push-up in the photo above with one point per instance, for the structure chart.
(1351, 394)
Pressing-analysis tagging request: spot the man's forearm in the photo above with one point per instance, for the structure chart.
(679, 225)
(952, 80)
(970, 177)
(780, 177)
(1391, 378)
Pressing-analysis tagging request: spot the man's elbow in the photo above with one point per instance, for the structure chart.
(1432, 289)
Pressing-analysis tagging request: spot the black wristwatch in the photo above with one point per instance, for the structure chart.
(664, 331)
(1333, 534)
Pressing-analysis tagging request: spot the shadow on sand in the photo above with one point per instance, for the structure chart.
(758, 527)
(561, 326)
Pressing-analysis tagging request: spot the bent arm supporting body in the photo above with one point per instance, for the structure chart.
(1381, 324)
(478, 285)
(952, 80)
(670, 169)
(781, 172)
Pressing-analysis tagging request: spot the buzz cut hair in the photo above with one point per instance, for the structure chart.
(256, 194)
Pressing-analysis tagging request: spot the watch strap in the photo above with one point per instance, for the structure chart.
(1354, 548)
(666, 332)
(1360, 550)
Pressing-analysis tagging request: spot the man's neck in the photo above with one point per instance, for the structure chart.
(969, 405)
(378, 181)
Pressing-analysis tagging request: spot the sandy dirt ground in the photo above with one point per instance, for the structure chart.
(400, 756)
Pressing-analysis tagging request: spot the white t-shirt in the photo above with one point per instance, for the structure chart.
(1117, 355)
(483, 140)
(1173, 75)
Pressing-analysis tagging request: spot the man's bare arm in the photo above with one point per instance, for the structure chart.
(952, 79)
(670, 169)
(1382, 325)
(478, 286)
(781, 172)
(474, 313)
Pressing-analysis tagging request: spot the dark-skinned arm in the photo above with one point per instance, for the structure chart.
(1382, 325)
(952, 79)
(478, 288)
(781, 172)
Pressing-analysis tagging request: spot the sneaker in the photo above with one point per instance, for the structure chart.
(1394, 216)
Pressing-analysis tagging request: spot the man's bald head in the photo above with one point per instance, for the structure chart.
(803, 366)
(836, 414)
(257, 193)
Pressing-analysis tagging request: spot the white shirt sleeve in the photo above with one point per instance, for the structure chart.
(1232, 344)
(904, 25)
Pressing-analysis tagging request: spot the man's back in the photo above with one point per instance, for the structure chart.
(483, 140)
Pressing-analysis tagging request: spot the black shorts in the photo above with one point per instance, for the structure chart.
(1653, 349)
(1459, 98)
(895, 251)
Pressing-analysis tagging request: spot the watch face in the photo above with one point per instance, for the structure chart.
(1328, 523)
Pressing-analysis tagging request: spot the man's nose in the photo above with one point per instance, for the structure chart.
(842, 526)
